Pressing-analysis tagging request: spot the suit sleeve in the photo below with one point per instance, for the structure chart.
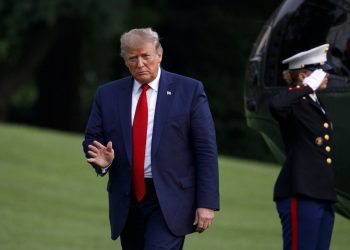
(94, 130)
(281, 104)
(205, 150)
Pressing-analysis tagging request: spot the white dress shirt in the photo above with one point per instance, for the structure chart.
(314, 98)
(152, 93)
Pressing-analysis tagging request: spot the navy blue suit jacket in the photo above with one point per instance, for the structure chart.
(183, 155)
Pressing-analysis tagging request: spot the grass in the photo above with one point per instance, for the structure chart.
(51, 199)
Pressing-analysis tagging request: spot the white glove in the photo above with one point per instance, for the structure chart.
(315, 79)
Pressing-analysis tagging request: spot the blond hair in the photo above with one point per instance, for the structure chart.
(292, 76)
(136, 38)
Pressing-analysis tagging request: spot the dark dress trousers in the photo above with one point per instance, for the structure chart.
(183, 152)
(307, 132)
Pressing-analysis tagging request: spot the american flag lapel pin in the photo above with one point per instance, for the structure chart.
(168, 92)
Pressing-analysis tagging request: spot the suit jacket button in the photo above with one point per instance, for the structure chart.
(326, 137)
(326, 125)
(328, 148)
(329, 160)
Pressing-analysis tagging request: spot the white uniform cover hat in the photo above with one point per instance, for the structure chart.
(312, 59)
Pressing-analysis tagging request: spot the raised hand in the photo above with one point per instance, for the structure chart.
(100, 155)
(315, 79)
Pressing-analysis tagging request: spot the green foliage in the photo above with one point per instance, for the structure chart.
(19, 19)
(25, 96)
(51, 199)
(56, 44)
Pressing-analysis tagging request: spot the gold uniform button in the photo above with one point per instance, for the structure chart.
(328, 148)
(319, 141)
(329, 160)
(298, 86)
(326, 125)
(326, 137)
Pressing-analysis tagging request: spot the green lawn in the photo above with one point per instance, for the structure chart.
(51, 199)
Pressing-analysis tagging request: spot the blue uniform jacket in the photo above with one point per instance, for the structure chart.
(307, 133)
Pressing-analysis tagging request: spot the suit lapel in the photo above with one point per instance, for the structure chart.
(124, 102)
(165, 97)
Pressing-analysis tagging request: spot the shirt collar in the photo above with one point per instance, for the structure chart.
(154, 84)
(313, 97)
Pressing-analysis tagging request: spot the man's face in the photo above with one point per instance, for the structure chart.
(143, 62)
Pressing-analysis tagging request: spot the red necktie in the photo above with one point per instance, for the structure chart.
(139, 132)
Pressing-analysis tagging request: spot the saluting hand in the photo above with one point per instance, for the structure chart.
(100, 155)
(315, 79)
(204, 219)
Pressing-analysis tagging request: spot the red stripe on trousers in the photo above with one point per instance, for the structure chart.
(294, 218)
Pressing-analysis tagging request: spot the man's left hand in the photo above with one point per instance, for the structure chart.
(204, 218)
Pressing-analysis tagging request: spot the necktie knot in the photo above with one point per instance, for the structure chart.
(145, 87)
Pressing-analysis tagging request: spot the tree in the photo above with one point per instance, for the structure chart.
(47, 42)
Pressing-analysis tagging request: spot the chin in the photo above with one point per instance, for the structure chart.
(323, 86)
(143, 80)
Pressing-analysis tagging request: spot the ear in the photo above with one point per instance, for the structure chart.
(125, 62)
(159, 59)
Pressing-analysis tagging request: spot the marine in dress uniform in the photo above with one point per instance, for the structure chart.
(305, 188)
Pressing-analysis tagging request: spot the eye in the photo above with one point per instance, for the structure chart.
(146, 57)
(132, 59)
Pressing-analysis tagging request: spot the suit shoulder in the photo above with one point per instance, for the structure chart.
(184, 80)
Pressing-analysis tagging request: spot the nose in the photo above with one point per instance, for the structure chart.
(140, 62)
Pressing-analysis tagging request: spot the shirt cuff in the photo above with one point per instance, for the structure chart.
(104, 170)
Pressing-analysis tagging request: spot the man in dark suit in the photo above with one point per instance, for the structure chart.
(305, 188)
(153, 133)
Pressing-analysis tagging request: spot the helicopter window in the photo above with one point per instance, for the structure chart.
(312, 24)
